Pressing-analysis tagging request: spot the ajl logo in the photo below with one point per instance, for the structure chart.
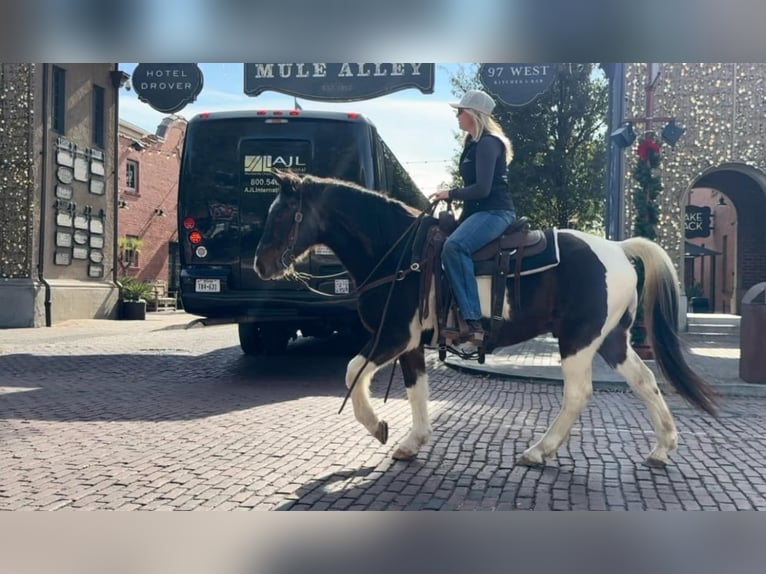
(264, 163)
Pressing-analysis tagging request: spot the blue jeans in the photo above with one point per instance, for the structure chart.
(473, 233)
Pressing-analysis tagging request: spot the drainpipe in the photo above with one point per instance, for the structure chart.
(43, 200)
(116, 83)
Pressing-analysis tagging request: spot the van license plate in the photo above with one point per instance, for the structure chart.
(341, 285)
(207, 286)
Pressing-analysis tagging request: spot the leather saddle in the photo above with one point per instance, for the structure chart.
(517, 239)
(496, 259)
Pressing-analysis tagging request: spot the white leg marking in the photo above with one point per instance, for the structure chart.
(421, 424)
(642, 381)
(360, 396)
(578, 388)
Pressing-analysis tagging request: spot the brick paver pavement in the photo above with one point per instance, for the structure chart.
(130, 415)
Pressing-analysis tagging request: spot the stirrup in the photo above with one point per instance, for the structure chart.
(477, 352)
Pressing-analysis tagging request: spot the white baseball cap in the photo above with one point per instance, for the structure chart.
(476, 100)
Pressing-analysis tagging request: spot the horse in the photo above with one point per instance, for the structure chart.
(588, 302)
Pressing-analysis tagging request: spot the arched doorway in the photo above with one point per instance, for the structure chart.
(735, 256)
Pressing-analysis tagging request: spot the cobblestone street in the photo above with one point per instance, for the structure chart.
(127, 416)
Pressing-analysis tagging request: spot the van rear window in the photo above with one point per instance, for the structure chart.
(215, 148)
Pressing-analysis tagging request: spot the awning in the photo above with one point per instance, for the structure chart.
(693, 250)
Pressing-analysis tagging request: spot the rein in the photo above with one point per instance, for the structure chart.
(288, 258)
(397, 276)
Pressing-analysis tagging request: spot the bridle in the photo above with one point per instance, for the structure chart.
(288, 256)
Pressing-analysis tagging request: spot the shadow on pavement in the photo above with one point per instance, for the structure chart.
(166, 384)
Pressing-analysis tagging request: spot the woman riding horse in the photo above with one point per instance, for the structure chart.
(588, 301)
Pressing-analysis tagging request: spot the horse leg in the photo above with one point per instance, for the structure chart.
(618, 353)
(360, 396)
(578, 388)
(416, 382)
(642, 381)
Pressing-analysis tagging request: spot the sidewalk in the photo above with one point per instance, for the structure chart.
(714, 357)
(65, 330)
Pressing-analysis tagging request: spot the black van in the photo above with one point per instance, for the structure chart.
(224, 193)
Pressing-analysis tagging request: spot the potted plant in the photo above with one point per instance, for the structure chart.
(134, 293)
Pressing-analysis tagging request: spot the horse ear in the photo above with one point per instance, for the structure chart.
(288, 180)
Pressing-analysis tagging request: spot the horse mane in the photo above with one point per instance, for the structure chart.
(378, 218)
(318, 183)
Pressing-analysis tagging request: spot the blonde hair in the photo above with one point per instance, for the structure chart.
(486, 123)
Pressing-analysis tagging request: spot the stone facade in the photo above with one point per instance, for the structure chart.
(723, 108)
(58, 217)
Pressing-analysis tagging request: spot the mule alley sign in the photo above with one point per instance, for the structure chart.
(344, 82)
(697, 221)
(517, 84)
(167, 87)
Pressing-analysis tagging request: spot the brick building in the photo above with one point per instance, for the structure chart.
(148, 166)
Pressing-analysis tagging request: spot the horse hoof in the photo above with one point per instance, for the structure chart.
(526, 460)
(381, 433)
(403, 454)
(655, 463)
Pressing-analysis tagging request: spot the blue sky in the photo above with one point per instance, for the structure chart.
(419, 128)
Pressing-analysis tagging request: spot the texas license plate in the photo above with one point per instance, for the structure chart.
(207, 286)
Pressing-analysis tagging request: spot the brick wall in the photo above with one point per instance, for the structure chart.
(151, 212)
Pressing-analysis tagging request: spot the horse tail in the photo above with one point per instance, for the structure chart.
(660, 298)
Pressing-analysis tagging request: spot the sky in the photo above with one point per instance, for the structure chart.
(421, 129)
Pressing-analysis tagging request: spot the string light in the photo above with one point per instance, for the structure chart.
(16, 174)
(721, 107)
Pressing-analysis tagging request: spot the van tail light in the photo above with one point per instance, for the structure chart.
(195, 237)
(189, 223)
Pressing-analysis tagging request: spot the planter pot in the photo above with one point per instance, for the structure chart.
(134, 310)
(700, 304)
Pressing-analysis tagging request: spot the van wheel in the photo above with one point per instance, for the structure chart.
(250, 339)
(275, 340)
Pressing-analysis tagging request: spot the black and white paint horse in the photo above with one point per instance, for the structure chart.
(588, 302)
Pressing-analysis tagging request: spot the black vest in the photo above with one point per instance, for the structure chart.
(500, 193)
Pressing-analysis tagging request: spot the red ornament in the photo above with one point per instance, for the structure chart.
(645, 147)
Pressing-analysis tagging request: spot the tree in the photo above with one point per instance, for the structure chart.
(557, 175)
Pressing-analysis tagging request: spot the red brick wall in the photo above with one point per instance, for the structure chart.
(158, 164)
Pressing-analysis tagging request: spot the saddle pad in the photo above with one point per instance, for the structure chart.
(546, 259)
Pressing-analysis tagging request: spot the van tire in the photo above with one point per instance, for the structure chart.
(250, 340)
(275, 339)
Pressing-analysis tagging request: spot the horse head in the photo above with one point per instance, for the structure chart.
(287, 234)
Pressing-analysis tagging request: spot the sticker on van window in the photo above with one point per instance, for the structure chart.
(265, 163)
(260, 166)
(261, 156)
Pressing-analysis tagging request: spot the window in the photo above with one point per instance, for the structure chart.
(59, 99)
(131, 176)
(98, 116)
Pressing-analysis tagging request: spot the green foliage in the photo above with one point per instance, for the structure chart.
(129, 243)
(557, 176)
(646, 214)
(648, 188)
(133, 289)
(695, 290)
